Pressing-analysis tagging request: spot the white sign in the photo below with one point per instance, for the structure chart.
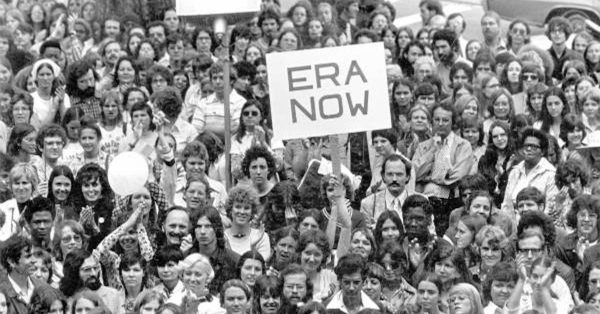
(325, 91)
(211, 7)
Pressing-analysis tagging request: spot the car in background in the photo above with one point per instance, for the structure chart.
(580, 13)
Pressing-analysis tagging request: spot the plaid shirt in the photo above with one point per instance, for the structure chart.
(91, 106)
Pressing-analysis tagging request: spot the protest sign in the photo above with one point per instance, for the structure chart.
(195, 7)
(326, 91)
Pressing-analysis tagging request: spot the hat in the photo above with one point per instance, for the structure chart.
(591, 140)
(53, 65)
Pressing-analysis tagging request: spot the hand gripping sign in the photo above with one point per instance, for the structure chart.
(327, 91)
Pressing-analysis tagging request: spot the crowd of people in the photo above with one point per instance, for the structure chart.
(483, 197)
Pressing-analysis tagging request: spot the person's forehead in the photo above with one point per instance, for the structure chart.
(177, 215)
(418, 210)
(352, 276)
(90, 261)
(294, 278)
(156, 29)
(395, 165)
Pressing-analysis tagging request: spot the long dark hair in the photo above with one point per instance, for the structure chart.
(545, 116)
(266, 285)
(58, 171)
(16, 137)
(215, 220)
(93, 172)
(445, 251)
(395, 218)
(128, 260)
(242, 128)
(71, 282)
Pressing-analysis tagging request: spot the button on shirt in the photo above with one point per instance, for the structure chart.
(209, 114)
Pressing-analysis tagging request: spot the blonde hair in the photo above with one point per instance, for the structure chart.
(194, 259)
(471, 292)
(24, 170)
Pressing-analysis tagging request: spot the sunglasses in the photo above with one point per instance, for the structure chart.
(251, 113)
(529, 77)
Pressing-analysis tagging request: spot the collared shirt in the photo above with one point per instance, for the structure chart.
(183, 132)
(25, 296)
(337, 303)
(390, 200)
(540, 177)
(209, 114)
(437, 172)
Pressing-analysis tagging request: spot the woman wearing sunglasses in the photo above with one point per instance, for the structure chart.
(253, 131)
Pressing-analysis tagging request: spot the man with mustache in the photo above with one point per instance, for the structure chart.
(176, 227)
(297, 288)
(82, 271)
(395, 172)
(39, 217)
(351, 273)
(447, 53)
(81, 88)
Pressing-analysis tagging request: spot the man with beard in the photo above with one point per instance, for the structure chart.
(351, 273)
(110, 52)
(81, 88)
(157, 32)
(39, 217)
(395, 172)
(81, 271)
(268, 21)
(490, 27)
(447, 53)
(297, 288)
(17, 287)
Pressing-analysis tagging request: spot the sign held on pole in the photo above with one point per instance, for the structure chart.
(325, 91)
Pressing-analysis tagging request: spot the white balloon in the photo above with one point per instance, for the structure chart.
(127, 173)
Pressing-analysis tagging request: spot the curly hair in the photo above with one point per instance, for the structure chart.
(397, 255)
(242, 194)
(539, 219)
(351, 264)
(319, 239)
(90, 173)
(254, 153)
(282, 196)
(571, 170)
(42, 299)
(75, 71)
(160, 71)
(313, 213)
(12, 250)
(591, 203)
(494, 235)
(51, 130)
(296, 269)
(168, 101)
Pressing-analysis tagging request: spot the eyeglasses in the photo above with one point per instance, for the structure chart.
(529, 77)
(586, 215)
(250, 113)
(531, 146)
(68, 239)
(530, 251)
(518, 31)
